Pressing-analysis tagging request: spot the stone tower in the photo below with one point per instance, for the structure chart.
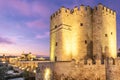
(104, 32)
(60, 35)
(82, 33)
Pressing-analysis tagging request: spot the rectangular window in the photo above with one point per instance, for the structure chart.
(56, 44)
(81, 24)
(85, 41)
(55, 26)
(106, 35)
(111, 33)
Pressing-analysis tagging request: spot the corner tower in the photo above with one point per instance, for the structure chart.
(60, 35)
(104, 32)
(81, 32)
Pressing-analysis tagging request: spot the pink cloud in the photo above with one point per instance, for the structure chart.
(5, 41)
(1, 3)
(36, 24)
(25, 8)
(45, 35)
(40, 9)
(22, 7)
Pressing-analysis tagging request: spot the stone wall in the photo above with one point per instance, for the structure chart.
(45, 71)
(71, 70)
(86, 35)
(79, 71)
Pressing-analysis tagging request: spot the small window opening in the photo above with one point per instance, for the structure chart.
(55, 26)
(85, 41)
(81, 24)
(111, 33)
(55, 58)
(106, 35)
(56, 44)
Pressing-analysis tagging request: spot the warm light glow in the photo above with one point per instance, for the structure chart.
(34, 71)
(20, 67)
(27, 69)
(67, 45)
(3, 62)
(52, 46)
(41, 58)
(47, 74)
(52, 57)
(112, 49)
(23, 68)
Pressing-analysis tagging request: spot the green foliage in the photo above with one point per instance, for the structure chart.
(28, 75)
(25, 74)
(2, 72)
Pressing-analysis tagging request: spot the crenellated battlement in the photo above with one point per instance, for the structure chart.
(104, 9)
(107, 10)
(89, 27)
(83, 9)
(61, 10)
(109, 61)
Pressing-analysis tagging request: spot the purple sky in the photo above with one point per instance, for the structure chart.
(24, 24)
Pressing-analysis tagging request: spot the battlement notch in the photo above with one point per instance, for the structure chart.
(61, 10)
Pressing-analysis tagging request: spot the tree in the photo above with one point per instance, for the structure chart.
(3, 70)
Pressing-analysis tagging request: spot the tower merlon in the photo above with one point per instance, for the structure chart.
(82, 8)
(114, 13)
(100, 6)
(88, 8)
(110, 11)
(75, 8)
(64, 10)
(61, 10)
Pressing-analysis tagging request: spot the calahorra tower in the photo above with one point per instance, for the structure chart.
(83, 33)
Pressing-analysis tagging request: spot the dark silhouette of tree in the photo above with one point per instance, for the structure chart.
(2, 73)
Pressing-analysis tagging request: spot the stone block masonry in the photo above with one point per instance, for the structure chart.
(82, 45)
(83, 33)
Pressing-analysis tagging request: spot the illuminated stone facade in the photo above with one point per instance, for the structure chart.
(83, 33)
(70, 70)
(82, 45)
(27, 57)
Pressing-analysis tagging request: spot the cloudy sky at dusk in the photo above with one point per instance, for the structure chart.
(24, 24)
